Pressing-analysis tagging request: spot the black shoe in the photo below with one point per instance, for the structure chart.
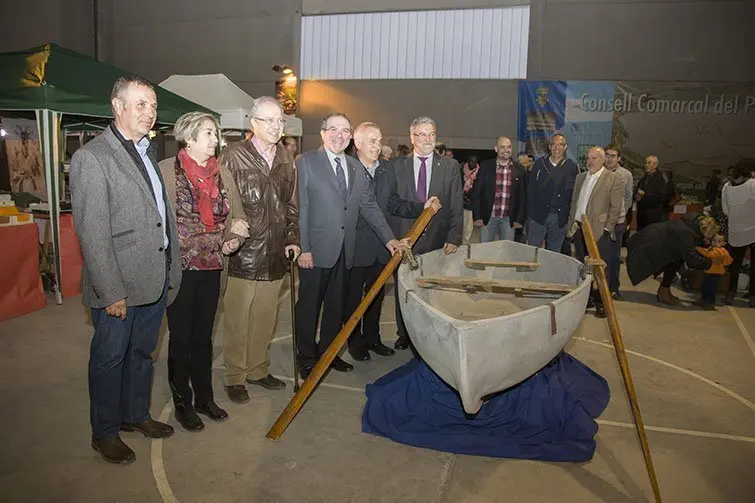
(360, 354)
(305, 370)
(268, 382)
(150, 428)
(381, 349)
(113, 450)
(211, 410)
(237, 393)
(189, 419)
(341, 365)
(401, 343)
(600, 311)
(617, 296)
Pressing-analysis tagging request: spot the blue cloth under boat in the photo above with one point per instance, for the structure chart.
(548, 417)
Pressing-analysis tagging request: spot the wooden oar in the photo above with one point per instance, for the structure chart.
(482, 264)
(599, 274)
(297, 401)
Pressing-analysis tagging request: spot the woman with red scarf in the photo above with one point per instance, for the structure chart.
(211, 225)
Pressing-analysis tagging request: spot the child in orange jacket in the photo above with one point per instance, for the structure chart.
(721, 258)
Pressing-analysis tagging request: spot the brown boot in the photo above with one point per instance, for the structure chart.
(113, 450)
(665, 296)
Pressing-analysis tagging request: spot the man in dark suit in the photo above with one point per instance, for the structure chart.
(129, 241)
(333, 192)
(370, 256)
(498, 195)
(421, 175)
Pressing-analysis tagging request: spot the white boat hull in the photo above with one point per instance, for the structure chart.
(480, 355)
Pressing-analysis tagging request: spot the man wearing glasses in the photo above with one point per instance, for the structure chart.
(266, 178)
(333, 193)
(419, 176)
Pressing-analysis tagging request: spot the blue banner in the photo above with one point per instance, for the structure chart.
(542, 104)
(585, 124)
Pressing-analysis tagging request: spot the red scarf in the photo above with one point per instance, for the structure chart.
(203, 178)
(469, 177)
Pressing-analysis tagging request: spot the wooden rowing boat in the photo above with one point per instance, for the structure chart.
(492, 314)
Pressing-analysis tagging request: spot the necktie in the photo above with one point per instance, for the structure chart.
(341, 179)
(422, 180)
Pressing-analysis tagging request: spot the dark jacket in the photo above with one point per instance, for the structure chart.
(271, 204)
(446, 185)
(660, 244)
(651, 204)
(369, 248)
(483, 192)
(549, 190)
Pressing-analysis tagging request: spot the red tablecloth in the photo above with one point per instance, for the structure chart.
(20, 283)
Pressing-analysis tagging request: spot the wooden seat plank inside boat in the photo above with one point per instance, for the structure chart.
(517, 287)
(481, 264)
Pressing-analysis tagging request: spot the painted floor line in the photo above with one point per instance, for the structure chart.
(158, 465)
(707, 381)
(743, 329)
(678, 431)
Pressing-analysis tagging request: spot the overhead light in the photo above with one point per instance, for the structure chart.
(284, 69)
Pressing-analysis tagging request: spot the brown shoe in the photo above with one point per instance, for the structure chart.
(665, 296)
(150, 428)
(268, 382)
(237, 393)
(113, 450)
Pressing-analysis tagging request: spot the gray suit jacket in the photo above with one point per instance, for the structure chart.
(603, 207)
(445, 183)
(326, 221)
(119, 227)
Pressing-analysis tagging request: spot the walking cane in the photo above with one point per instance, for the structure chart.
(292, 277)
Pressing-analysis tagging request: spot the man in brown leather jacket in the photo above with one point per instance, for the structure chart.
(266, 178)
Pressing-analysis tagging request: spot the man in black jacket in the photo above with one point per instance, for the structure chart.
(370, 256)
(498, 195)
(650, 194)
(550, 185)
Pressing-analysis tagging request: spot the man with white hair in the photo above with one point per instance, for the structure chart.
(264, 171)
(370, 256)
(419, 176)
(650, 194)
(598, 194)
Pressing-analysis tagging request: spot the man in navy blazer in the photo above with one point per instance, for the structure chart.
(333, 193)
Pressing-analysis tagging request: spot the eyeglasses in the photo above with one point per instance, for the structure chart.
(271, 121)
(334, 130)
(425, 136)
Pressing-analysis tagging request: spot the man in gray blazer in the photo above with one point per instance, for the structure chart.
(131, 259)
(333, 192)
(598, 194)
(421, 175)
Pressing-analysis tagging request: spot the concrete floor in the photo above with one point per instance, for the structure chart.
(693, 372)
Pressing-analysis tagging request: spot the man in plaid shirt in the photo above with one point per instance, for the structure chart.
(498, 195)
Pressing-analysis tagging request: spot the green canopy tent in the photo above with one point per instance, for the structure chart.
(51, 82)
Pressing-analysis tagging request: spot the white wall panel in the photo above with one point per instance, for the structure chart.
(451, 44)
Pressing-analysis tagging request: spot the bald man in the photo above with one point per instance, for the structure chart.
(598, 194)
(650, 194)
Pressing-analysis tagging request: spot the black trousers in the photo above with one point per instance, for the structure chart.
(645, 218)
(319, 287)
(361, 279)
(190, 320)
(669, 273)
(581, 253)
(709, 287)
(738, 255)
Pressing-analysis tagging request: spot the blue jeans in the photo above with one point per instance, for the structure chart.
(613, 261)
(497, 228)
(120, 366)
(550, 232)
